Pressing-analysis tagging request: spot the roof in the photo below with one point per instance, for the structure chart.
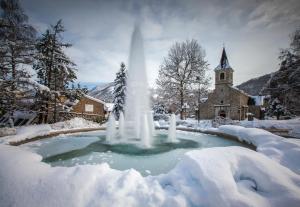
(94, 99)
(239, 90)
(109, 106)
(259, 100)
(224, 63)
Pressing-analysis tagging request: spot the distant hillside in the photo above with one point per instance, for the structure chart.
(103, 91)
(255, 85)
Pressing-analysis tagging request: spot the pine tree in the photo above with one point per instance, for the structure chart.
(17, 39)
(284, 84)
(119, 91)
(54, 68)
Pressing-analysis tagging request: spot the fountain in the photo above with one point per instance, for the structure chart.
(138, 121)
(137, 105)
(121, 126)
(135, 144)
(172, 129)
(111, 128)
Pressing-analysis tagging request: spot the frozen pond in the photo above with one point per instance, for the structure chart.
(91, 148)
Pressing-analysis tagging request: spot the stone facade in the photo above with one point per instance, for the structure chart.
(225, 100)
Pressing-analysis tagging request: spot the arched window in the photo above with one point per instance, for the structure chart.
(222, 76)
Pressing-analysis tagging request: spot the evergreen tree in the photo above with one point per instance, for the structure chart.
(17, 39)
(54, 68)
(119, 91)
(284, 84)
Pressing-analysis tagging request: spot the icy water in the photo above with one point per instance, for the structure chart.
(91, 148)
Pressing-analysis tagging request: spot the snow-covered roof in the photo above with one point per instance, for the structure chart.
(224, 63)
(109, 106)
(95, 99)
(241, 91)
(259, 100)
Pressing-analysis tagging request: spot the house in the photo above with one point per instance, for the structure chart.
(90, 108)
(225, 101)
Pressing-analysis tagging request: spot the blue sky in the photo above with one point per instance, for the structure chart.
(253, 31)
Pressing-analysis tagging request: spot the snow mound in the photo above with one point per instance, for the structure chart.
(27, 132)
(232, 176)
(75, 123)
(291, 124)
(228, 176)
(31, 131)
(285, 151)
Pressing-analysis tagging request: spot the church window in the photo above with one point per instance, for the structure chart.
(222, 76)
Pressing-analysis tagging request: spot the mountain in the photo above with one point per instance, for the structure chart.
(254, 86)
(103, 91)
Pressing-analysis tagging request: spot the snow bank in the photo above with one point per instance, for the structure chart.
(188, 123)
(229, 176)
(75, 123)
(27, 132)
(292, 124)
(284, 151)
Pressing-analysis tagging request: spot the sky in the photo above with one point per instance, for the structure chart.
(253, 31)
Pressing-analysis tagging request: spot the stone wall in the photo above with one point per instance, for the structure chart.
(226, 98)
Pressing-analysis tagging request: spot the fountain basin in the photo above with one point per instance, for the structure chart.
(92, 148)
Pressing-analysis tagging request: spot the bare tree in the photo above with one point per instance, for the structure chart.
(179, 71)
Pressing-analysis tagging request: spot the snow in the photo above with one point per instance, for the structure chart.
(259, 100)
(32, 82)
(292, 124)
(282, 150)
(220, 176)
(27, 132)
(238, 177)
(31, 131)
(109, 106)
(75, 123)
(94, 99)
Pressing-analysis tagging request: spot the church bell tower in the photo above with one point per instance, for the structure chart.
(223, 72)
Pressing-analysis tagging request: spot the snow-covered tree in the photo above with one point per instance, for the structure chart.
(284, 84)
(178, 72)
(159, 108)
(276, 108)
(17, 39)
(54, 68)
(119, 91)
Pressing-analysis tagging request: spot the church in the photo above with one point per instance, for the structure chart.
(225, 101)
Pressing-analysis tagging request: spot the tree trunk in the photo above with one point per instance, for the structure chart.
(181, 101)
(13, 88)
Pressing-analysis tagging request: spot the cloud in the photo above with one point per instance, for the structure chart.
(100, 31)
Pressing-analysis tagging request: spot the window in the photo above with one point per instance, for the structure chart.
(222, 76)
(222, 102)
(89, 108)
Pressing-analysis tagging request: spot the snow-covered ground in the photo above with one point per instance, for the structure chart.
(221, 176)
(292, 124)
(27, 132)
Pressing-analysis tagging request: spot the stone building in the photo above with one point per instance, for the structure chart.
(225, 101)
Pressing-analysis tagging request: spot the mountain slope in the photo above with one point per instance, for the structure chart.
(254, 86)
(103, 91)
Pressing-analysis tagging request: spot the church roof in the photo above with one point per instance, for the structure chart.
(224, 63)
